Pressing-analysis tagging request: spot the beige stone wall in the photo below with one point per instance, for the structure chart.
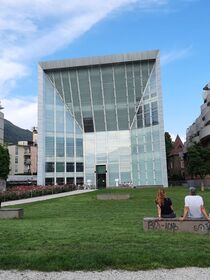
(16, 159)
(34, 155)
(19, 156)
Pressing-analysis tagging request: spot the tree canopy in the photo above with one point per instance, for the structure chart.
(169, 143)
(4, 162)
(198, 160)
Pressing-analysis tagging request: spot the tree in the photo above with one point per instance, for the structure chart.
(169, 143)
(198, 161)
(4, 162)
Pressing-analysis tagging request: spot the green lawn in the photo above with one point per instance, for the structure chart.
(81, 233)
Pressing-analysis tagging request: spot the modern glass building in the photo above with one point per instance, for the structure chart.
(100, 121)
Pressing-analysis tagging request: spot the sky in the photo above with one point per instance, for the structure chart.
(40, 30)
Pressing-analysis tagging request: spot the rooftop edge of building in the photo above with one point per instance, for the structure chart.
(207, 86)
(99, 60)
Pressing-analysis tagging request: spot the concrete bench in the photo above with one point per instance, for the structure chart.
(11, 213)
(175, 225)
(111, 196)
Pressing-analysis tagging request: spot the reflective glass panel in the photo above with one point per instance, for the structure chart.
(59, 167)
(49, 167)
(70, 147)
(70, 167)
(49, 146)
(59, 146)
(57, 80)
(154, 113)
(79, 147)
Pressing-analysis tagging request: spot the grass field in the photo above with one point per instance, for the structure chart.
(81, 233)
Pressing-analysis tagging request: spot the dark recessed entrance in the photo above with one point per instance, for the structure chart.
(100, 176)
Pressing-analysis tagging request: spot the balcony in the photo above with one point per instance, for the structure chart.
(203, 107)
(195, 139)
(208, 99)
(205, 132)
(207, 117)
(198, 124)
(204, 111)
(27, 162)
(192, 129)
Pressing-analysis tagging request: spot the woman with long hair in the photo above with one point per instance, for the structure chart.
(164, 205)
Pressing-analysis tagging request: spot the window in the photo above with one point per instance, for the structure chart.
(79, 147)
(101, 169)
(49, 146)
(140, 117)
(147, 115)
(59, 147)
(26, 150)
(49, 181)
(69, 147)
(49, 167)
(154, 113)
(70, 180)
(88, 125)
(79, 166)
(69, 167)
(59, 167)
(80, 181)
(60, 181)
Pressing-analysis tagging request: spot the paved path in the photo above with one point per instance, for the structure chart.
(188, 273)
(44, 197)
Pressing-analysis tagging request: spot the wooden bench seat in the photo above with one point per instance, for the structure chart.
(201, 226)
(11, 213)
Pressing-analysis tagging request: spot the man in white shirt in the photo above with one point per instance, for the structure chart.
(194, 206)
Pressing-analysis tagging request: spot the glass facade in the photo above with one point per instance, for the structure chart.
(63, 144)
(112, 149)
(102, 113)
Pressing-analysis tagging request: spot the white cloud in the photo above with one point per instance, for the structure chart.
(10, 71)
(54, 24)
(21, 112)
(175, 55)
(30, 30)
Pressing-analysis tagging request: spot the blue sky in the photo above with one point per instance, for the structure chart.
(33, 31)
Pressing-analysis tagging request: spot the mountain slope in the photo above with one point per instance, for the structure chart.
(13, 133)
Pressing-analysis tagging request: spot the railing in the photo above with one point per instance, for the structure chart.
(85, 187)
(126, 185)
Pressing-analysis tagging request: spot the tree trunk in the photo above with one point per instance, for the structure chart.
(2, 184)
(202, 185)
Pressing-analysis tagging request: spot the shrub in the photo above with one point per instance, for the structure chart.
(22, 192)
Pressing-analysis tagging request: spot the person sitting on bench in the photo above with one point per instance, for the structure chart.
(194, 206)
(164, 205)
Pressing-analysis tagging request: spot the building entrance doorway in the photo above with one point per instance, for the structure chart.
(100, 176)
